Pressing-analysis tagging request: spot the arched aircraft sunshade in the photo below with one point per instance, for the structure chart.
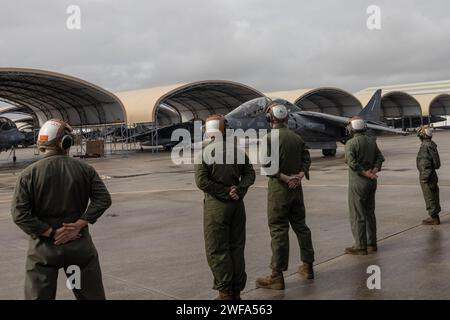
(399, 104)
(183, 102)
(435, 104)
(331, 101)
(326, 100)
(45, 95)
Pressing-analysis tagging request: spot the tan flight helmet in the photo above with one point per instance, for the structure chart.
(215, 124)
(276, 113)
(357, 124)
(425, 132)
(55, 134)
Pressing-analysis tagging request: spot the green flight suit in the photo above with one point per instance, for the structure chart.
(427, 163)
(362, 154)
(55, 190)
(286, 206)
(224, 219)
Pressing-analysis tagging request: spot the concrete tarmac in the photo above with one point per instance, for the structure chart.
(151, 240)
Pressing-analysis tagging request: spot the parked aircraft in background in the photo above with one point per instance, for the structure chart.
(10, 136)
(163, 136)
(318, 130)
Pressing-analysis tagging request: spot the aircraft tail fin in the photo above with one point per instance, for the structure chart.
(372, 112)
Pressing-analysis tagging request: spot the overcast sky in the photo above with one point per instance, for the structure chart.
(270, 45)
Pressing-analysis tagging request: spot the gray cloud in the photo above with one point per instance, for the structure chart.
(271, 45)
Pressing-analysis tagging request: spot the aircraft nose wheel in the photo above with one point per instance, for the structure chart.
(13, 154)
(329, 152)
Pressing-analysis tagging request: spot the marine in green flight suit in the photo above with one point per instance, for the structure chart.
(364, 160)
(54, 200)
(285, 204)
(225, 185)
(428, 162)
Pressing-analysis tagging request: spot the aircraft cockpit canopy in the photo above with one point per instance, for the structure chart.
(255, 107)
(6, 124)
(250, 108)
(290, 106)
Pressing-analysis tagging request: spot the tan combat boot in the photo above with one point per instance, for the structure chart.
(275, 281)
(432, 221)
(372, 248)
(356, 252)
(225, 295)
(306, 271)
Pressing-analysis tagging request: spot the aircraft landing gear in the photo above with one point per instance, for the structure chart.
(13, 153)
(329, 152)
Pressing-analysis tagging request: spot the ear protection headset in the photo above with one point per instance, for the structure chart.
(66, 141)
(425, 132)
(55, 133)
(357, 124)
(215, 123)
(65, 136)
(282, 112)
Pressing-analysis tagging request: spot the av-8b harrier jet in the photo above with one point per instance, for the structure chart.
(318, 130)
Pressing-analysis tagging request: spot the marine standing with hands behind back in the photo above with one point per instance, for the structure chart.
(55, 199)
(224, 185)
(364, 160)
(285, 204)
(428, 162)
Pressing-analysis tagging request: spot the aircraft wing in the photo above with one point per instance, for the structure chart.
(337, 120)
(386, 129)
